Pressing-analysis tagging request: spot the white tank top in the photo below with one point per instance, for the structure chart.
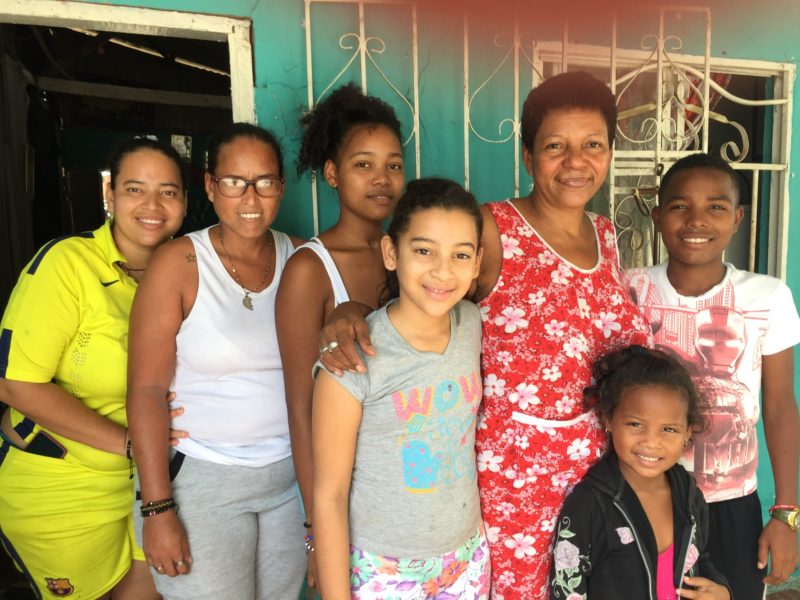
(228, 375)
(339, 291)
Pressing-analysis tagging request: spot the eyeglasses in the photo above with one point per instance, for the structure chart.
(236, 187)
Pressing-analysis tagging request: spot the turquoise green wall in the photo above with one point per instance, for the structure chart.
(770, 32)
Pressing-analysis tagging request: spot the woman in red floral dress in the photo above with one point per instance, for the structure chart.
(551, 303)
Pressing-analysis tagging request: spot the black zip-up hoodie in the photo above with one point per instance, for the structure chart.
(605, 548)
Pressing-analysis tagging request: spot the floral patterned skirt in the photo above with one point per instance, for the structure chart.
(462, 574)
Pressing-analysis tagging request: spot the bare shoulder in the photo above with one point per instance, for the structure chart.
(492, 260)
(304, 280)
(172, 271)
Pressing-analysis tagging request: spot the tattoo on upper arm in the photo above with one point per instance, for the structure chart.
(190, 258)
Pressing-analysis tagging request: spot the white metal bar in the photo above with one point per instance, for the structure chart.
(415, 61)
(751, 249)
(517, 50)
(362, 36)
(310, 86)
(466, 101)
(707, 81)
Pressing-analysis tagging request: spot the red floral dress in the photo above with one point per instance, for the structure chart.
(544, 324)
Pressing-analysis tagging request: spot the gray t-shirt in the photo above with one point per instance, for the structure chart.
(414, 491)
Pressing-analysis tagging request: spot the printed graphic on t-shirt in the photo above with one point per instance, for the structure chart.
(435, 448)
(722, 345)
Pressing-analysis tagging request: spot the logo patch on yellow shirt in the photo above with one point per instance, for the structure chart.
(60, 586)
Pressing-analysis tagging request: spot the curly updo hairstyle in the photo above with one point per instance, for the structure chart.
(326, 126)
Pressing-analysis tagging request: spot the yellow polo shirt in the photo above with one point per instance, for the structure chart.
(67, 322)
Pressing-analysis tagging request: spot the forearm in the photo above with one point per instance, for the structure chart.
(782, 430)
(60, 412)
(300, 432)
(332, 546)
(148, 423)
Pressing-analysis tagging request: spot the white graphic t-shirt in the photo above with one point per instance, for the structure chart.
(723, 335)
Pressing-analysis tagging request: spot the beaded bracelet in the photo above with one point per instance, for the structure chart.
(159, 506)
(309, 545)
(784, 507)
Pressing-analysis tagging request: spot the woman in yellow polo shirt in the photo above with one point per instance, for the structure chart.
(65, 462)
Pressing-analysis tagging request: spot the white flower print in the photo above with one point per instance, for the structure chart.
(565, 405)
(546, 258)
(512, 318)
(482, 421)
(561, 275)
(607, 323)
(521, 442)
(609, 238)
(524, 231)
(573, 348)
(548, 525)
(537, 298)
(492, 534)
(616, 299)
(560, 480)
(551, 373)
(525, 395)
(583, 308)
(625, 535)
(555, 328)
(507, 436)
(493, 386)
(510, 246)
(504, 357)
(507, 578)
(578, 449)
(486, 460)
(507, 508)
(521, 544)
(484, 310)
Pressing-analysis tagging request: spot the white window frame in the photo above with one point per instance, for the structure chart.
(147, 21)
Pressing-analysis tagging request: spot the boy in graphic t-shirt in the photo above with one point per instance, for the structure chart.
(737, 329)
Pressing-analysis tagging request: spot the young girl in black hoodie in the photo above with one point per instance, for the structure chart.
(636, 526)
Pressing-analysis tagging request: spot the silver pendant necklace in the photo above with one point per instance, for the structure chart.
(247, 301)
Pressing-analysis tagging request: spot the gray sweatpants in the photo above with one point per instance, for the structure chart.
(245, 529)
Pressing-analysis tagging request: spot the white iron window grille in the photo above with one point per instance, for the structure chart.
(365, 49)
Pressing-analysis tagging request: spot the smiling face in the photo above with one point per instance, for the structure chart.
(436, 259)
(649, 430)
(697, 216)
(368, 172)
(148, 201)
(249, 158)
(569, 158)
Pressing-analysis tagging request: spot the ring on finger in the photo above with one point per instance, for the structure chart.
(160, 569)
(329, 347)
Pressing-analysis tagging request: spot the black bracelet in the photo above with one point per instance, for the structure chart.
(306, 524)
(159, 506)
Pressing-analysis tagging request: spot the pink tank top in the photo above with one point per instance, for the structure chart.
(665, 587)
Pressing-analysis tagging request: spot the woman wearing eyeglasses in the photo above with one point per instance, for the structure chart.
(203, 325)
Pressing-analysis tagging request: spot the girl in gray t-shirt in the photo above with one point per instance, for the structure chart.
(396, 506)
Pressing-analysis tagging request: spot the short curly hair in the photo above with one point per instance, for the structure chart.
(575, 89)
